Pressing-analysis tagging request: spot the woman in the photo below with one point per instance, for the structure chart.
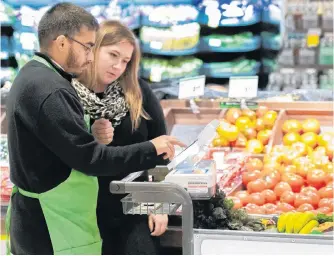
(136, 116)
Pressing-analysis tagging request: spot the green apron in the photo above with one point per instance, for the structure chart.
(69, 211)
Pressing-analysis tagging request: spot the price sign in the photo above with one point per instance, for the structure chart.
(156, 45)
(243, 87)
(191, 87)
(156, 74)
(215, 42)
(313, 37)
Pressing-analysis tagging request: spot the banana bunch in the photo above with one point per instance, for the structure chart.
(297, 222)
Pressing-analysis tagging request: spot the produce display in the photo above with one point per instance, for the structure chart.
(304, 223)
(178, 37)
(295, 176)
(163, 69)
(246, 129)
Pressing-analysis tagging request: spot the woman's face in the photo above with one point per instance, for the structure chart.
(112, 61)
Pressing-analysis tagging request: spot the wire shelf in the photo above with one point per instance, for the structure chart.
(131, 206)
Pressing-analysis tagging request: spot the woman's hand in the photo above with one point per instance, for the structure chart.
(103, 131)
(158, 223)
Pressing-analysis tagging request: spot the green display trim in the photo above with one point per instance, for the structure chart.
(237, 104)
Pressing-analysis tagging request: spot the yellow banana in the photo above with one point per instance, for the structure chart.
(302, 220)
(290, 222)
(281, 223)
(309, 227)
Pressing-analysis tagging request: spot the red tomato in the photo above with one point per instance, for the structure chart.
(288, 197)
(250, 176)
(316, 178)
(269, 208)
(326, 192)
(324, 210)
(295, 181)
(243, 196)
(301, 199)
(269, 196)
(254, 209)
(327, 202)
(256, 186)
(281, 187)
(256, 198)
(254, 164)
(271, 178)
(314, 197)
(330, 178)
(284, 207)
(308, 189)
(305, 208)
(237, 202)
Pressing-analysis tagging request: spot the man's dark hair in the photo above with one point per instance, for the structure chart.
(63, 19)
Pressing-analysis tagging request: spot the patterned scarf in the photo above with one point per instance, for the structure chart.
(112, 106)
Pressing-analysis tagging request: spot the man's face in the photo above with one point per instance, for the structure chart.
(80, 53)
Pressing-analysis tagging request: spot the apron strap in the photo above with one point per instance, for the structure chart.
(43, 61)
(14, 191)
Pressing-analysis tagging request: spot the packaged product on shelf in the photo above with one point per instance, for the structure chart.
(179, 37)
(168, 15)
(7, 14)
(178, 67)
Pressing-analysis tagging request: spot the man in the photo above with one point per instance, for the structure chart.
(53, 158)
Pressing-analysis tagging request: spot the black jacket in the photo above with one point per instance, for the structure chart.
(47, 138)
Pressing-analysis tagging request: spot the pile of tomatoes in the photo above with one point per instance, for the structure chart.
(246, 129)
(273, 189)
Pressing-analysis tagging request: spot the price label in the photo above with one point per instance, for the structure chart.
(156, 45)
(214, 42)
(313, 37)
(191, 87)
(243, 87)
(156, 74)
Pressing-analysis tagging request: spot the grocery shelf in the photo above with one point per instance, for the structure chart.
(146, 22)
(209, 72)
(203, 20)
(271, 44)
(248, 46)
(146, 73)
(267, 19)
(147, 49)
(161, 2)
(314, 66)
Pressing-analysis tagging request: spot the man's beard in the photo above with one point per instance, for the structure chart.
(72, 63)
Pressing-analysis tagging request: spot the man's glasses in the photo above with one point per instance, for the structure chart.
(88, 49)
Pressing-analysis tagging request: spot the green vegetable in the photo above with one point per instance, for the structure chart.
(218, 213)
(322, 218)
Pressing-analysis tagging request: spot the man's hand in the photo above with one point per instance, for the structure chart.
(158, 223)
(165, 145)
(103, 131)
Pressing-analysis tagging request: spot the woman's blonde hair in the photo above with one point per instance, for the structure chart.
(110, 33)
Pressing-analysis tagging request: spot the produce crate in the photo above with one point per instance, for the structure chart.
(300, 105)
(324, 116)
(184, 123)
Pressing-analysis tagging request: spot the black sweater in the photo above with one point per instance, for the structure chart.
(47, 138)
(109, 206)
